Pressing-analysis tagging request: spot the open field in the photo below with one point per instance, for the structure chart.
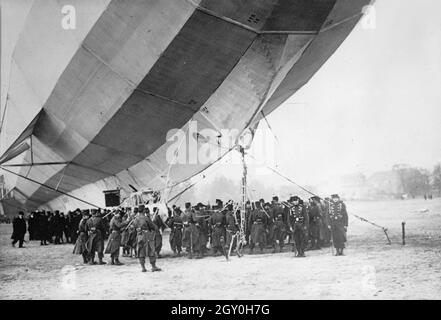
(371, 269)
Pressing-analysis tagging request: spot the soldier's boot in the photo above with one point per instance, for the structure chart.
(85, 259)
(155, 268)
(274, 248)
(337, 253)
(143, 269)
(112, 262)
(100, 261)
(117, 262)
(92, 261)
(341, 252)
(179, 253)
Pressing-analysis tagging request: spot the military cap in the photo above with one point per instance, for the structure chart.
(295, 198)
(141, 208)
(187, 205)
(21, 213)
(219, 203)
(276, 198)
(335, 195)
(199, 205)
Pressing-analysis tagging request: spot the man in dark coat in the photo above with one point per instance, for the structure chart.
(280, 224)
(201, 230)
(176, 226)
(338, 217)
(145, 229)
(217, 222)
(96, 232)
(18, 230)
(298, 224)
(58, 227)
(324, 230)
(258, 225)
(157, 220)
(32, 226)
(67, 226)
(81, 242)
(114, 241)
(50, 226)
(43, 228)
(75, 219)
(315, 221)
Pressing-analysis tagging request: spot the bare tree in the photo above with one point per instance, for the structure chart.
(436, 178)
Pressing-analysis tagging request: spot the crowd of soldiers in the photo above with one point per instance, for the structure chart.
(305, 225)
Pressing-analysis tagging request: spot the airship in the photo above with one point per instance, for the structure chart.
(97, 91)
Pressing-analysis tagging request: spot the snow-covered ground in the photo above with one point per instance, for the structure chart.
(371, 269)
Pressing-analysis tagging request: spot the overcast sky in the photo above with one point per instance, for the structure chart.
(376, 102)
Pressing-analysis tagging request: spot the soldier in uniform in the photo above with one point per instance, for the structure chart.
(114, 241)
(298, 224)
(325, 231)
(231, 228)
(80, 244)
(201, 229)
(176, 226)
(280, 224)
(132, 242)
(189, 230)
(125, 234)
(338, 223)
(145, 229)
(96, 232)
(157, 220)
(315, 221)
(248, 209)
(258, 223)
(217, 222)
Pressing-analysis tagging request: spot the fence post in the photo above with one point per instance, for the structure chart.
(403, 230)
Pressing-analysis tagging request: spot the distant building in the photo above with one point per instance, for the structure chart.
(385, 184)
(354, 186)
